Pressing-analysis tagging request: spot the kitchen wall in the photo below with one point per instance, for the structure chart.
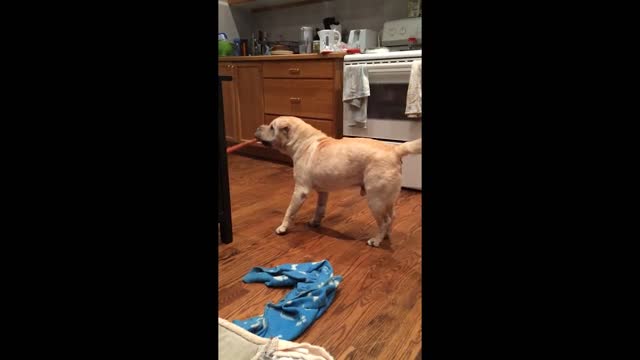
(284, 24)
(235, 22)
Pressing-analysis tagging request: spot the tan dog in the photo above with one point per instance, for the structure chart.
(324, 164)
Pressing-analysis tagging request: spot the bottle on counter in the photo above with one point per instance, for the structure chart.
(256, 43)
(259, 50)
(236, 47)
(266, 50)
(252, 45)
(244, 47)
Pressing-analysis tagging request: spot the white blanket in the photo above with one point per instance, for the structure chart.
(236, 343)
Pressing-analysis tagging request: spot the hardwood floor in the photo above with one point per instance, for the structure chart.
(377, 312)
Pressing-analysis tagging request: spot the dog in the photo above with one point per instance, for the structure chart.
(325, 164)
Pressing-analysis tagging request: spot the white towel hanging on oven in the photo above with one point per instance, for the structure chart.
(355, 92)
(414, 92)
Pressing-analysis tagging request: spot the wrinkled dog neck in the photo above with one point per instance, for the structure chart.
(297, 146)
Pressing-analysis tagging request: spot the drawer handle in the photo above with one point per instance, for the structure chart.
(295, 100)
(294, 71)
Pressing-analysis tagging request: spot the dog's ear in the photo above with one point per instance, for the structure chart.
(282, 124)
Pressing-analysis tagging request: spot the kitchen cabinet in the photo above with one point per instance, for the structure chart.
(242, 100)
(249, 99)
(264, 87)
(229, 102)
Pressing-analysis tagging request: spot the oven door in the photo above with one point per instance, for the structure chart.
(386, 105)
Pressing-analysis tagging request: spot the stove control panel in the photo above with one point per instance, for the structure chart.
(396, 32)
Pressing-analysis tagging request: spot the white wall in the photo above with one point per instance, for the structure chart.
(236, 23)
(284, 24)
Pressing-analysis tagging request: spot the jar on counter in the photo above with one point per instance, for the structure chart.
(412, 43)
(316, 46)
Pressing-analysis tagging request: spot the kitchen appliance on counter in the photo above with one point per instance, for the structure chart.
(389, 72)
(395, 34)
(329, 40)
(306, 40)
(363, 39)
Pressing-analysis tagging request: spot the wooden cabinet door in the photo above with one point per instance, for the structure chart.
(229, 97)
(250, 106)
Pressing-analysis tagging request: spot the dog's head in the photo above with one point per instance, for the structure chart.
(279, 133)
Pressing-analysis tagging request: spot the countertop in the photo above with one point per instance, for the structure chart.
(282, 57)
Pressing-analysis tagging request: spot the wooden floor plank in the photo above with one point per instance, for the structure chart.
(377, 310)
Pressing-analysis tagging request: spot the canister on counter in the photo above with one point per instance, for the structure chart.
(306, 39)
(316, 46)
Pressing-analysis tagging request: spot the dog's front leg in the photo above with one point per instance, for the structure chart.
(299, 195)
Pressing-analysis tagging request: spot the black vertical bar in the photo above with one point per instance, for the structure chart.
(224, 202)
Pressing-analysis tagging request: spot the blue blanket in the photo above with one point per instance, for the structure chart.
(314, 289)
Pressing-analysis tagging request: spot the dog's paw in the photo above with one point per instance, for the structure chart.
(373, 242)
(314, 223)
(281, 230)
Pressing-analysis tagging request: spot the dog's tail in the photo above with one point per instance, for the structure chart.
(411, 147)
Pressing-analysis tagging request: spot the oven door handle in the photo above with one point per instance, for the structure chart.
(388, 67)
(389, 70)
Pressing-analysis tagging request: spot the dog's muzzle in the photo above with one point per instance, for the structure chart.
(258, 136)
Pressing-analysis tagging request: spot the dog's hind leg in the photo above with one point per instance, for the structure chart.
(383, 217)
(393, 215)
(299, 195)
(381, 196)
(320, 209)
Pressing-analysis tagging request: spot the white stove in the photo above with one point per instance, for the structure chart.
(388, 80)
(389, 75)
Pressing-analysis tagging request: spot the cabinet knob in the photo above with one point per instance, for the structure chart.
(294, 70)
(295, 100)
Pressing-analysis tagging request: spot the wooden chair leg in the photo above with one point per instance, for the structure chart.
(224, 202)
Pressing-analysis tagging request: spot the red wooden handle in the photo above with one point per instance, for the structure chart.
(241, 145)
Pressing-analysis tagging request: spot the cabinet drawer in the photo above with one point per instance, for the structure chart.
(326, 126)
(225, 69)
(299, 69)
(304, 98)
